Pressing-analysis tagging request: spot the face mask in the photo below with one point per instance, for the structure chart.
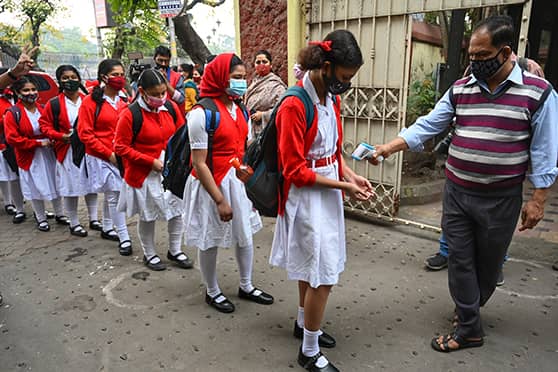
(161, 67)
(70, 85)
(334, 86)
(116, 82)
(298, 71)
(155, 102)
(237, 87)
(197, 79)
(485, 69)
(263, 70)
(28, 98)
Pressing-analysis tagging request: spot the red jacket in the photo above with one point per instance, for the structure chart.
(152, 138)
(47, 127)
(21, 137)
(229, 141)
(294, 142)
(4, 106)
(98, 137)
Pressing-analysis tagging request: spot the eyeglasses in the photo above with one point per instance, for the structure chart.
(259, 62)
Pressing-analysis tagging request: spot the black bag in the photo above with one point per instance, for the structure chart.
(265, 184)
(9, 153)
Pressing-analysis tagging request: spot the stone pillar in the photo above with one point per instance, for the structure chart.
(263, 25)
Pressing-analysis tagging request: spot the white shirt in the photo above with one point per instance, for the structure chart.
(72, 109)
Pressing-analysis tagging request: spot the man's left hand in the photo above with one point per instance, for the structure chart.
(531, 214)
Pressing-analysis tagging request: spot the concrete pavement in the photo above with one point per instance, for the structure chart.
(73, 304)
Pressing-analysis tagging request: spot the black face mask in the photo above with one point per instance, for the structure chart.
(485, 69)
(70, 85)
(161, 67)
(334, 86)
(29, 97)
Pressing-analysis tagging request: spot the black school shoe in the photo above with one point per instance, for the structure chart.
(224, 306)
(184, 264)
(159, 266)
(10, 209)
(95, 225)
(125, 248)
(62, 220)
(257, 296)
(324, 340)
(309, 363)
(19, 217)
(110, 235)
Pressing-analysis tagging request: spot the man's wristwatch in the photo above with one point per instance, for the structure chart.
(11, 75)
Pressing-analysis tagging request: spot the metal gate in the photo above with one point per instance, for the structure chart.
(374, 109)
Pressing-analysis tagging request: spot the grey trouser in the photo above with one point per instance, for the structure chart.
(478, 227)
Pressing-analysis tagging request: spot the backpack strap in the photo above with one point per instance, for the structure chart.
(212, 118)
(172, 111)
(16, 112)
(55, 109)
(137, 120)
(301, 94)
(98, 108)
(244, 109)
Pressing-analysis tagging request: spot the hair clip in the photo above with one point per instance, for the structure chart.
(324, 45)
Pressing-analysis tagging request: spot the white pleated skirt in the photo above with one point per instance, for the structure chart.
(309, 239)
(6, 173)
(203, 227)
(71, 180)
(39, 182)
(151, 202)
(103, 175)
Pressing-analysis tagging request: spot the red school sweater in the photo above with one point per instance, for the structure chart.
(229, 141)
(47, 127)
(294, 142)
(4, 106)
(98, 137)
(21, 137)
(152, 138)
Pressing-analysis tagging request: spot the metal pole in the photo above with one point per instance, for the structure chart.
(524, 28)
(99, 43)
(172, 42)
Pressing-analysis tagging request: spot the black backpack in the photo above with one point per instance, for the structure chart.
(137, 123)
(264, 186)
(9, 153)
(178, 165)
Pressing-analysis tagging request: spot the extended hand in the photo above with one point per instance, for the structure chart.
(157, 165)
(24, 63)
(382, 152)
(356, 192)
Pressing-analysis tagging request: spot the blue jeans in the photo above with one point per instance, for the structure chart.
(444, 247)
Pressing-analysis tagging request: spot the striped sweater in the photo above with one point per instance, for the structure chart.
(490, 148)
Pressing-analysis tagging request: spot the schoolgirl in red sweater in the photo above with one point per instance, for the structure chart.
(9, 180)
(98, 115)
(142, 157)
(71, 180)
(309, 240)
(217, 212)
(34, 154)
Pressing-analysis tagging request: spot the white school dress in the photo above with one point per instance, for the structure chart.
(309, 239)
(6, 173)
(103, 176)
(203, 227)
(39, 183)
(71, 180)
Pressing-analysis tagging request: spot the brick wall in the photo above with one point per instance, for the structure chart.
(263, 25)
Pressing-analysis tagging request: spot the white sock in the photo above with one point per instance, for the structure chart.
(57, 206)
(118, 218)
(245, 259)
(310, 345)
(300, 317)
(174, 228)
(71, 206)
(146, 233)
(92, 208)
(208, 268)
(17, 196)
(107, 220)
(39, 209)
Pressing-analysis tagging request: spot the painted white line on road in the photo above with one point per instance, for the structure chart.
(111, 299)
(524, 295)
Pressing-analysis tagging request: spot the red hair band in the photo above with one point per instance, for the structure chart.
(324, 45)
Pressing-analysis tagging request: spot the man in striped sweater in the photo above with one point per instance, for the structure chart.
(506, 121)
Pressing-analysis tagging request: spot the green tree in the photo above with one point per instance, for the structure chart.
(138, 27)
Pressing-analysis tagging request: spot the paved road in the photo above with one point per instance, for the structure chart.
(74, 304)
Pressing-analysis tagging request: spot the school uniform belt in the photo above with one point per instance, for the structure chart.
(316, 163)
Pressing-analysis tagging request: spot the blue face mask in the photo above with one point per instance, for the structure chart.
(237, 87)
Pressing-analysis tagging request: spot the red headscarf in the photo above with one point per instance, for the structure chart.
(216, 76)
